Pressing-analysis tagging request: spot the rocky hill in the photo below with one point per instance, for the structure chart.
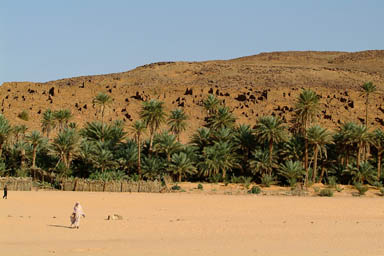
(263, 84)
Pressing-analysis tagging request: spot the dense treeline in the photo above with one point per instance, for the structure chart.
(269, 152)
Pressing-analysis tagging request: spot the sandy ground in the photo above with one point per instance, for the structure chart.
(36, 223)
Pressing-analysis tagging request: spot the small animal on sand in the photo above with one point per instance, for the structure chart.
(76, 215)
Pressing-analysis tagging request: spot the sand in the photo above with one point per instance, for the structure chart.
(36, 223)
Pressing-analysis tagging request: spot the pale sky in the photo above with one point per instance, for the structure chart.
(49, 40)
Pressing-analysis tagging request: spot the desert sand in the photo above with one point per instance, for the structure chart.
(36, 223)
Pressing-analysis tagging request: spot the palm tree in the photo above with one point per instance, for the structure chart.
(167, 144)
(306, 110)
(292, 171)
(219, 157)
(223, 118)
(344, 141)
(211, 104)
(102, 157)
(202, 138)
(36, 140)
(378, 143)
(318, 137)
(363, 139)
(152, 113)
(48, 122)
(260, 163)
(102, 100)
(110, 134)
(368, 88)
(177, 122)
(270, 130)
(62, 117)
(181, 165)
(65, 146)
(5, 130)
(363, 173)
(138, 128)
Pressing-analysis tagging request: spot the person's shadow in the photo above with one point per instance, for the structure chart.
(60, 226)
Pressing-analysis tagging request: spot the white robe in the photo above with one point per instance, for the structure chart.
(77, 213)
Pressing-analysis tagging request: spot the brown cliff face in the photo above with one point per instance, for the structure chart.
(263, 84)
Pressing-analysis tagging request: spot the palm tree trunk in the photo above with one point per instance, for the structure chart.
(366, 110)
(358, 156)
(179, 178)
(322, 172)
(102, 114)
(138, 156)
(1, 149)
(379, 165)
(151, 141)
(270, 152)
(22, 163)
(315, 164)
(306, 161)
(34, 156)
(224, 173)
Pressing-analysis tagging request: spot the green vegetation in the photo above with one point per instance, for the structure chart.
(23, 115)
(255, 190)
(326, 192)
(273, 152)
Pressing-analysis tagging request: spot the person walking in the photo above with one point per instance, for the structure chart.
(5, 196)
(76, 215)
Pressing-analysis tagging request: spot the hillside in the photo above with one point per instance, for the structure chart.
(263, 84)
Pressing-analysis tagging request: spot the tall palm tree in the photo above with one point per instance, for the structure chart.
(344, 140)
(363, 139)
(66, 146)
(138, 128)
(5, 130)
(378, 143)
(318, 137)
(167, 144)
(307, 108)
(368, 88)
(102, 100)
(219, 157)
(211, 104)
(223, 118)
(177, 122)
(48, 122)
(270, 130)
(152, 113)
(62, 117)
(181, 165)
(36, 140)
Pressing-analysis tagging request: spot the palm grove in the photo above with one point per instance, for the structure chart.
(269, 152)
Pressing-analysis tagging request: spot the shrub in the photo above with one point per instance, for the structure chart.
(254, 190)
(268, 180)
(316, 189)
(23, 115)
(326, 192)
(361, 188)
(381, 191)
(176, 187)
(215, 178)
(200, 187)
